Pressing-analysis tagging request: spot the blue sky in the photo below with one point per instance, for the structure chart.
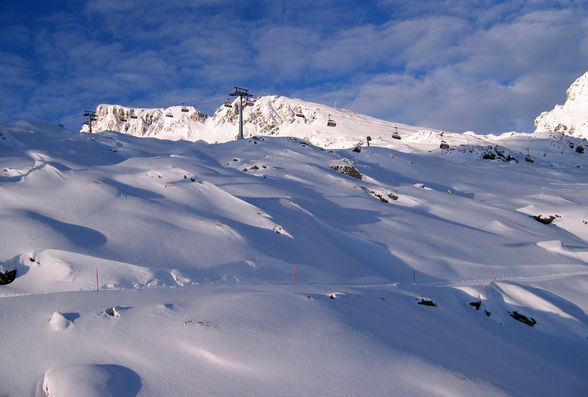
(486, 66)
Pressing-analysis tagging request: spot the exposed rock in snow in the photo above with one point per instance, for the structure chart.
(570, 118)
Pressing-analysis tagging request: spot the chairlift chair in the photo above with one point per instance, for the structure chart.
(331, 122)
(395, 134)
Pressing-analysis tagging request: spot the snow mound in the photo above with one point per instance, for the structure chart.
(59, 321)
(58, 270)
(571, 118)
(550, 313)
(90, 380)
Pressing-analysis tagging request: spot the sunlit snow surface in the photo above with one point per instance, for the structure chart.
(193, 246)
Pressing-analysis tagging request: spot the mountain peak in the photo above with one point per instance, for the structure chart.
(571, 118)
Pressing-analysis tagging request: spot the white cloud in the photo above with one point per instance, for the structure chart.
(489, 66)
(283, 52)
(457, 76)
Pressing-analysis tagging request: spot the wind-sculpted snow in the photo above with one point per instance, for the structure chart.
(157, 267)
(176, 213)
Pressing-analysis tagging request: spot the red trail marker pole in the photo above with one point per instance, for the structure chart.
(493, 275)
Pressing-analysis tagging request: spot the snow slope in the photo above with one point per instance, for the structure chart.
(571, 117)
(193, 245)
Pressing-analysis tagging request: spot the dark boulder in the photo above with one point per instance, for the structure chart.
(7, 277)
(530, 321)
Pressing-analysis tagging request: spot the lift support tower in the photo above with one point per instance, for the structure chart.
(91, 117)
(241, 92)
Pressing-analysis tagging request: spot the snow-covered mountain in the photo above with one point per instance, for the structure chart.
(176, 122)
(263, 116)
(571, 118)
(429, 263)
(321, 126)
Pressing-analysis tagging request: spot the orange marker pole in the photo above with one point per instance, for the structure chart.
(493, 275)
